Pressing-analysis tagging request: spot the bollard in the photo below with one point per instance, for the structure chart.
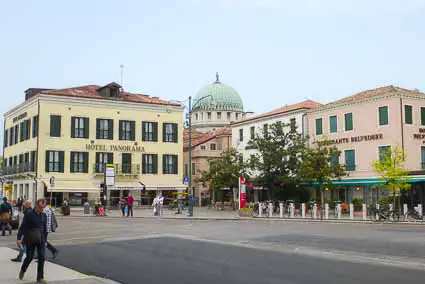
(420, 209)
(281, 209)
(292, 210)
(260, 209)
(315, 211)
(364, 211)
(338, 211)
(326, 211)
(351, 211)
(404, 208)
(377, 209)
(270, 209)
(303, 210)
(390, 206)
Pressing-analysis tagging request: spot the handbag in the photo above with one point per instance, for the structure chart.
(32, 237)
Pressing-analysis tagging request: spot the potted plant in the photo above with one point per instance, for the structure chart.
(246, 212)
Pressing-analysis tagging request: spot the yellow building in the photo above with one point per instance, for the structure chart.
(58, 141)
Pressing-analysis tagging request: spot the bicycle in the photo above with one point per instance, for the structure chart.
(412, 214)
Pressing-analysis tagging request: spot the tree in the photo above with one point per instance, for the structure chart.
(224, 172)
(320, 164)
(277, 162)
(390, 166)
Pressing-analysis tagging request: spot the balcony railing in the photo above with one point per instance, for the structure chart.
(18, 169)
(423, 165)
(120, 169)
(350, 168)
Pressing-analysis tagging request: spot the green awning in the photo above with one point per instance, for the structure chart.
(366, 181)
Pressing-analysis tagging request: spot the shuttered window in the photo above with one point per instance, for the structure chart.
(383, 115)
(102, 159)
(252, 130)
(293, 124)
(35, 126)
(149, 131)
(11, 136)
(79, 162)
(333, 124)
(348, 119)
(149, 163)
(126, 163)
(55, 161)
(423, 157)
(383, 151)
(6, 138)
(169, 164)
(55, 125)
(408, 114)
(16, 139)
(319, 127)
(170, 132)
(334, 159)
(241, 134)
(127, 130)
(33, 161)
(104, 129)
(350, 160)
(80, 127)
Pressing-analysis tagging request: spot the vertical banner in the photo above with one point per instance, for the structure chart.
(242, 192)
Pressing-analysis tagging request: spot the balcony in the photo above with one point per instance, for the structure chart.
(120, 169)
(19, 169)
(350, 167)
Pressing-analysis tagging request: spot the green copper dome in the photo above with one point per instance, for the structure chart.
(217, 96)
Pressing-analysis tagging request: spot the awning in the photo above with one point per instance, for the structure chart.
(126, 186)
(178, 187)
(73, 186)
(367, 181)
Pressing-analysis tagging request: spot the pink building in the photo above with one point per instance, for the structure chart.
(366, 123)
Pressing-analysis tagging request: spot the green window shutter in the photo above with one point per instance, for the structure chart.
(55, 125)
(164, 125)
(176, 164)
(28, 128)
(46, 166)
(383, 115)
(319, 129)
(61, 161)
(155, 163)
(110, 158)
(408, 114)
(86, 162)
(111, 129)
(422, 157)
(133, 130)
(176, 132)
(333, 124)
(348, 117)
(350, 160)
(144, 164)
(97, 128)
(163, 164)
(71, 162)
(5, 138)
(72, 127)
(383, 150)
(155, 131)
(120, 130)
(422, 115)
(86, 127)
(143, 131)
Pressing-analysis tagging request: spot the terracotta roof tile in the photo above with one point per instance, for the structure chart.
(91, 92)
(204, 137)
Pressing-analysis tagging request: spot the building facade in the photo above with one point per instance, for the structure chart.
(58, 142)
(364, 125)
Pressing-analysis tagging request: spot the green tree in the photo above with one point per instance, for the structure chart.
(390, 166)
(320, 164)
(277, 163)
(224, 172)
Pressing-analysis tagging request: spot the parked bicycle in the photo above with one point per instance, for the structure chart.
(412, 215)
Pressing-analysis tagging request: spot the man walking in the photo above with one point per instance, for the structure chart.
(51, 225)
(5, 216)
(161, 204)
(33, 231)
(22, 248)
(130, 201)
(191, 201)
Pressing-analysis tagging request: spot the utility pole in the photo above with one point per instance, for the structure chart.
(190, 147)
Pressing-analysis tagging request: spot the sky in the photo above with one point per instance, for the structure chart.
(273, 52)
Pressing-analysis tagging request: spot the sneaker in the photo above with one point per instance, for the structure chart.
(16, 259)
(21, 275)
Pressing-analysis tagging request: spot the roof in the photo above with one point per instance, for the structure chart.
(386, 90)
(308, 104)
(91, 92)
(205, 137)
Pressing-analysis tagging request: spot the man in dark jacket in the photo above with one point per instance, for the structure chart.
(33, 227)
(22, 248)
(5, 216)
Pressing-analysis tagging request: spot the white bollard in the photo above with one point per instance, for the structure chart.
(405, 208)
(391, 207)
(260, 209)
(315, 211)
(420, 209)
(377, 215)
(364, 211)
(326, 211)
(270, 209)
(281, 210)
(303, 210)
(292, 212)
(351, 211)
(338, 211)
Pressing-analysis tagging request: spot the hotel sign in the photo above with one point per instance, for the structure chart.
(114, 148)
(352, 139)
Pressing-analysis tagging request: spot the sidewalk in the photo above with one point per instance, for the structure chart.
(54, 273)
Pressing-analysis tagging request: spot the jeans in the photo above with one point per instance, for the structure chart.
(130, 209)
(30, 254)
(22, 250)
(50, 246)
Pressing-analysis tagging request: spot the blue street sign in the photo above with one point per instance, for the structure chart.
(186, 180)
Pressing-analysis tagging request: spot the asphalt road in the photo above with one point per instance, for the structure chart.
(180, 261)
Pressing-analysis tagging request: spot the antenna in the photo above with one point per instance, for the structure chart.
(122, 73)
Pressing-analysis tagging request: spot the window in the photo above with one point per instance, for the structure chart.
(169, 164)
(229, 115)
(127, 130)
(241, 134)
(126, 163)
(55, 125)
(209, 115)
(350, 160)
(79, 162)
(149, 131)
(22, 131)
(196, 116)
(334, 159)
(383, 115)
(236, 116)
(102, 159)
(252, 132)
(149, 164)
(55, 161)
(333, 127)
(35, 126)
(104, 129)
(79, 127)
(203, 147)
(383, 151)
(193, 169)
(422, 115)
(319, 128)
(170, 132)
(5, 142)
(11, 136)
(33, 161)
(348, 119)
(293, 124)
(266, 129)
(422, 157)
(408, 114)
(212, 147)
(218, 115)
(16, 138)
(25, 130)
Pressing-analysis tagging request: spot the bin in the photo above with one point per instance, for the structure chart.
(86, 208)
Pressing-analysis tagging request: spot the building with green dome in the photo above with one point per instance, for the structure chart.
(216, 106)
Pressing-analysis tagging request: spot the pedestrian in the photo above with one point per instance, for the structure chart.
(155, 206)
(33, 231)
(130, 201)
(51, 226)
(191, 202)
(20, 203)
(5, 217)
(123, 204)
(27, 208)
(160, 204)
